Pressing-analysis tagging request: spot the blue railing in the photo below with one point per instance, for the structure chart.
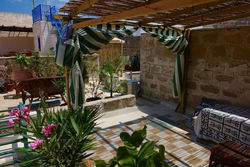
(41, 12)
(46, 12)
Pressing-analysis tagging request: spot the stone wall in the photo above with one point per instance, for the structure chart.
(110, 51)
(219, 67)
(131, 47)
(157, 68)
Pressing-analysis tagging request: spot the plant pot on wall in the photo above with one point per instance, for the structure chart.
(93, 99)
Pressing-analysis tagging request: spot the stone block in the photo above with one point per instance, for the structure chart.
(224, 78)
(211, 37)
(241, 53)
(233, 37)
(216, 66)
(229, 93)
(191, 84)
(217, 51)
(153, 86)
(210, 89)
(247, 80)
(203, 75)
(163, 78)
(149, 76)
(155, 69)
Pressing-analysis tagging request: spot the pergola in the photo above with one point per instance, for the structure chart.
(155, 13)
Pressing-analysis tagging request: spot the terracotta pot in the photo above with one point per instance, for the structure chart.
(10, 87)
(86, 79)
(93, 99)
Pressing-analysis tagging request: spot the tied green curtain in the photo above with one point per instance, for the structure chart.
(176, 43)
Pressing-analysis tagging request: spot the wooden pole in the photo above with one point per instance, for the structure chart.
(67, 86)
(184, 84)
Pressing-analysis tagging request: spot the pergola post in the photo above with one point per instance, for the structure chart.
(66, 69)
(184, 84)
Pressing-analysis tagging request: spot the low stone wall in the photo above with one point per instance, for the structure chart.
(114, 103)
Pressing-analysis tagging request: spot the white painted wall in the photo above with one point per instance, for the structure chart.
(47, 34)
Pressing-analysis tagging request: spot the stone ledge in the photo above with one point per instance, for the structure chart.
(114, 103)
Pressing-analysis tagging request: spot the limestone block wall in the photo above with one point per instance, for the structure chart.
(131, 47)
(157, 68)
(219, 67)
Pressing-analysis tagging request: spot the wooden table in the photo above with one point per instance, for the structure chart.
(230, 154)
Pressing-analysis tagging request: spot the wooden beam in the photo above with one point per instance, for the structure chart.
(180, 12)
(210, 15)
(156, 7)
(238, 16)
(85, 5)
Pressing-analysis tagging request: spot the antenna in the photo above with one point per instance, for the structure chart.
(33, 3)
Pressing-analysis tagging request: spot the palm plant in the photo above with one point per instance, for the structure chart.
(111, 69)
(59, 138)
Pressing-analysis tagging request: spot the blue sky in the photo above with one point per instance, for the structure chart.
(25, 6)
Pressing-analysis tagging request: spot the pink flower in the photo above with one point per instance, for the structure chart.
(11, 122)
(48, 129)
(13, 112)
(36, 144)
(24, 109)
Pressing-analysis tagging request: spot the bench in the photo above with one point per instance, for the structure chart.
(230, 154)
(40, 87)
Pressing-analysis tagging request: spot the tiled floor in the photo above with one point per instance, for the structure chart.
(171, 129)
(182, 149)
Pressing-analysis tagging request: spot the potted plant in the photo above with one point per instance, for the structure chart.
(135, 153)
(56, 138)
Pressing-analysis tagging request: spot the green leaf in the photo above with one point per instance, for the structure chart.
(38, 117)
(138, 137)
(146, 150)
(126, 138)
(100, 163)
(74, 125)
(124, 158)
